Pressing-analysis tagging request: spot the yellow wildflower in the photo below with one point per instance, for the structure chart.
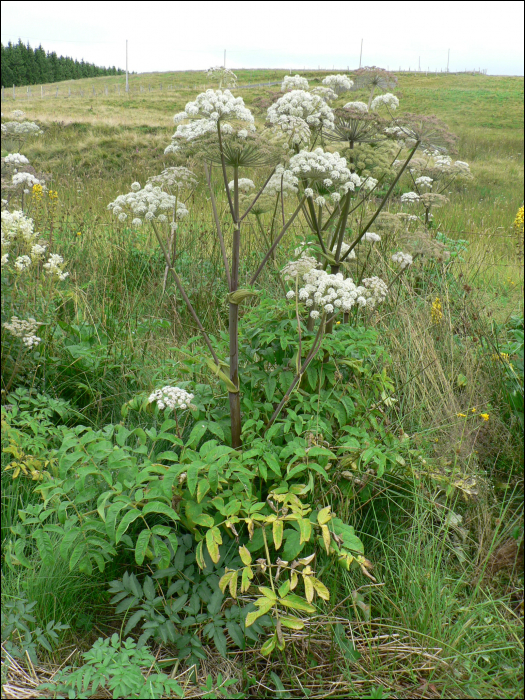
(53, 196)
(79, 233)
(485, 416)
(37, 192)
(461, 415)
(436, 312)
(473, 410)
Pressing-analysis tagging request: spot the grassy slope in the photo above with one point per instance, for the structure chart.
(96, 146)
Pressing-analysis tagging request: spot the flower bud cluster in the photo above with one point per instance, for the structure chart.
(294, 82)
(171, 397)
(402, 259)
(297, 268)
(25, 330)
(298, 103)
(326, 93)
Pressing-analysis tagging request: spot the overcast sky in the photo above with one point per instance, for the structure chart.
(166, 36)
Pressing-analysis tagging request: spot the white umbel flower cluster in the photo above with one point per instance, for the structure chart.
(424, 181)
(18, 114)
(294, 128)
(294, 82)
(388, 100)
(244, 184)
(338, 83)
(297, 268)
(333, 293)
(410, 198)
(21, 129)
(402, 259)
(356, 106)
(16, 159)
(326, 93)
(369, 183)
(25, 330)
(150, 203)
(171, 397)
(344, 249)
(53, 266)
(177, 178)
(298, 103)
(320, 165)
(16, 225)
(25, 180)
(371, 237)
(282, 181)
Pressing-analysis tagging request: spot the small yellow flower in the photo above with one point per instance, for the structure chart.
(436, 312)
(337, 323)
(473, 410)
(461, 415)
(79, 233)
(485, 416)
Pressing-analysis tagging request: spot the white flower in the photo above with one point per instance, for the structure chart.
(314, 313)
(137, 222)
(344, 248)
(5, 259)
(16, 159)
(282, 180)
(38, 251)
(16, 225)
(52, 267)
(25, 179)
(338, 83)
(244, 184)
(388, 100)
(171, 397)
(25, 330)
(290, 294)
(424, 181)
(371, 237)
(298, 103)
(22, 262)
(21, 129)
(295, 82)
(329, 308)
(356, 106)
(369, 184)
(402, 259)
(320, 201)
(122, 216)
(177, 178)
(409, 197)
(135, 186)
(294, 128)
(296, 268)
(308, 192)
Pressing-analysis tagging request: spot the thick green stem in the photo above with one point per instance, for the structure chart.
(235, 398)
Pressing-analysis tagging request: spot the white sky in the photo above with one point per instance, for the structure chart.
(167, 36)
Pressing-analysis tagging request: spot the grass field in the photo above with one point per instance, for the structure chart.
(444, 615)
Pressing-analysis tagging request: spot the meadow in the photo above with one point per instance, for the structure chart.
(431, 488)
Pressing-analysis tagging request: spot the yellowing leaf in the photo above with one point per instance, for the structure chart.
(308, 588)
(269, 644)
(296, 602)
(245, 555)
(247, 575)
(212, 546)
(233, 584)
(326, 538)
(321, 589)
(324, 516)
(267, 592)
(277, 533)
(292, 623)
(199, 556)
(294, 579)
(225, 580)
(305, 527)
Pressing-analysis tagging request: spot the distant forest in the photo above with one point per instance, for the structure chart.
(22, 65)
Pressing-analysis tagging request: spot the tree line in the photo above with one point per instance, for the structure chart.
(22, 65)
